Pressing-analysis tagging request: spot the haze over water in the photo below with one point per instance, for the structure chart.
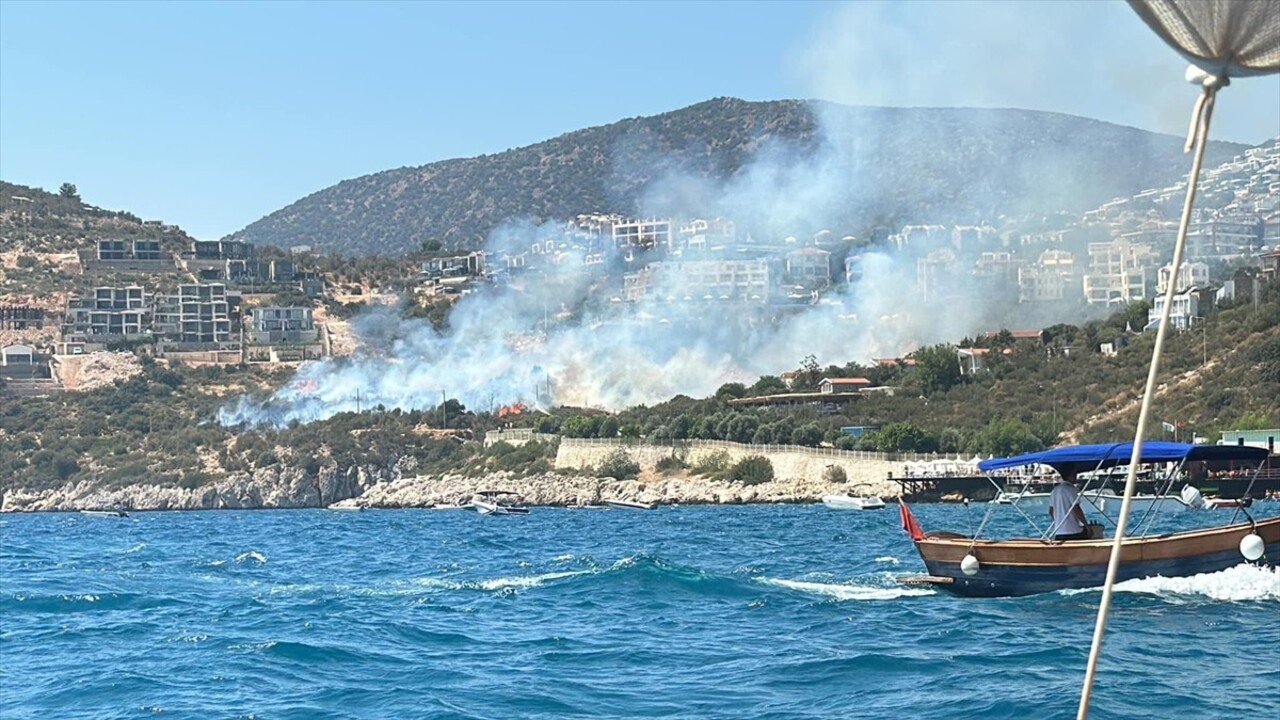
(693, 612)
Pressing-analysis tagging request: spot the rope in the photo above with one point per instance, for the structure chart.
(1201, 116)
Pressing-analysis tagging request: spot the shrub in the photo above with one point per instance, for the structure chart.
(618, 465)
(712, 464)
(753, 470)
(835, 475)
(670, 464)
(64, 466)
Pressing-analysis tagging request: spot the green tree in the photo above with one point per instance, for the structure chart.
(937, 369)
(69, 191)
(608, 428)
(768, 385)
(903, 437)
(731, 390)
(809, 435)
(1006, 436)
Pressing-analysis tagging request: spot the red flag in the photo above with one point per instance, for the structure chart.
(909, 523)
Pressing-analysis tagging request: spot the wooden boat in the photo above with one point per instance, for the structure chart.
(1025, 566)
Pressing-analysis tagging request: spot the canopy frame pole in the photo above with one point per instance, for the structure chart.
(1199, 135)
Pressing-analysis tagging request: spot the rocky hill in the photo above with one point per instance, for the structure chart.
(839, 167)
(39, 221)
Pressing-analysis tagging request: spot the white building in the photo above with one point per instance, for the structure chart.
(1193, 274)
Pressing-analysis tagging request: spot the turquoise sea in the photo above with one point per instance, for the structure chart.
(683, 612)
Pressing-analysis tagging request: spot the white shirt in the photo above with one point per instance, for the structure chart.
(1062, 499)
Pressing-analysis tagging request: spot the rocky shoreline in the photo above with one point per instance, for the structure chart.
(798, 479)
(279, 488)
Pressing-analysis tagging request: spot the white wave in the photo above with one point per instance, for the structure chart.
(842, 591)
(563, 558)
(253, 555)
(516, 582)
(1243, 582)
(888, 559)
(86, 597)
(135, 548)
(527, 581)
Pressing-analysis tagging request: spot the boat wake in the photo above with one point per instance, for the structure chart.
(1241, 583)
(881, 586)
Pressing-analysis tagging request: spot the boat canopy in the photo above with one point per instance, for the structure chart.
(1080, 458)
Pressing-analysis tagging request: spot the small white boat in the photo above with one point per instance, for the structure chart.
(631, 505)
(497, 502)
(105, 513)
(853, 501)
(1106, 502)
(345, 508)
(1110, 502)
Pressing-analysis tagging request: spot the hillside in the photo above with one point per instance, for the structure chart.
(154, 431)
(43, 222)
(822, 164)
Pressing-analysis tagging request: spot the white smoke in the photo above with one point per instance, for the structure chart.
(567, 338)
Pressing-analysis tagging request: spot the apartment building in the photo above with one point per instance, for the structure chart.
(282, 325)
(198, 313)
(1118, 271)
(695, 280)
(643, 234)
(222, 250)
(810, 266)
(1191, 274)
(935, 273)
(108, 313)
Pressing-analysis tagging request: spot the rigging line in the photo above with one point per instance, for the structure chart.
(1153, 510)
(1201, 118)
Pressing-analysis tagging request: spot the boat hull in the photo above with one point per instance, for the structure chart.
(848, 502)
(630, 505)
(1027, 567)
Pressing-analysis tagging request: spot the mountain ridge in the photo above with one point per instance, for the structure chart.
(874, 165)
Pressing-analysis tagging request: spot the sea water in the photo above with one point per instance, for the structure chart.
(682, 612)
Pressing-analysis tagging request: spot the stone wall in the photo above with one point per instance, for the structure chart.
(798, 471)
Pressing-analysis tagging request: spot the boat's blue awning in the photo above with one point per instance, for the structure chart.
(1089, 457)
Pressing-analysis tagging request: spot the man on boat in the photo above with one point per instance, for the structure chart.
(1069, 522)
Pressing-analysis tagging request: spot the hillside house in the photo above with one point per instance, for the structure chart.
(1184, 315)
(20, 362)
(842, 386)
(809, 266)
(643, 234)
(1192, 274)
(282, 325)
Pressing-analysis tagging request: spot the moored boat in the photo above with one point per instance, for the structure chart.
(105, 513)
(865, 500)
(1023, 566)
(631, 505)
(497, 502)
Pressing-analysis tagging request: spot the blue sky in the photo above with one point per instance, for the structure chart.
(212, 115)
